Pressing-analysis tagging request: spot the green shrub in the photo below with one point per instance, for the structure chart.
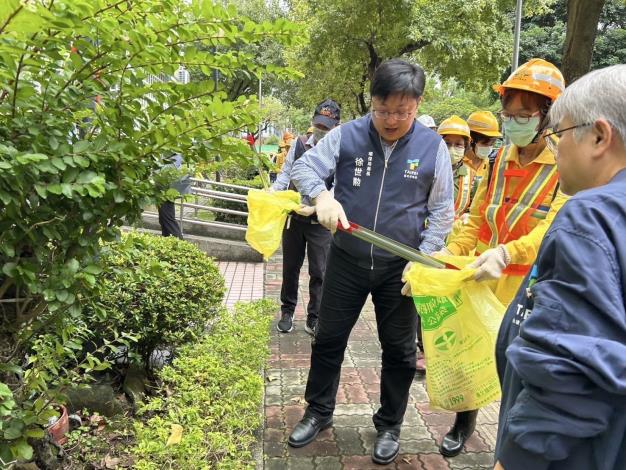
(271, 140)
(86, 122)
(215, 390)
(231, 218)
(161, 290)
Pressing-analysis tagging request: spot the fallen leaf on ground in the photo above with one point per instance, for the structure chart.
(176, 434)
(111, 462)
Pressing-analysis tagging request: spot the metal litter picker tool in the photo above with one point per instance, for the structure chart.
(392, 246)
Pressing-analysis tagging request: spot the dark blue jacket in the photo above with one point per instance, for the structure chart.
(390, 197)
(561, 350)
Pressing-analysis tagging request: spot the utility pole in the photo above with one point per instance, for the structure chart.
(259, 140)
(518, 28)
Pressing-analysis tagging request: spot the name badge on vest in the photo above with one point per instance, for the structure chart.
(359, 163)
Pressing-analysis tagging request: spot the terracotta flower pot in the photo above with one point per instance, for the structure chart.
(60, 427)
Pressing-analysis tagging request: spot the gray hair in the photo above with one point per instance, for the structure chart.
(600, 94)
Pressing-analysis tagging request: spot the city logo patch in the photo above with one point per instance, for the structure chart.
(413, 164)
(412, 169)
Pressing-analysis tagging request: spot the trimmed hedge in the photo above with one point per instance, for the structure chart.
(214, 391)
(162, 291)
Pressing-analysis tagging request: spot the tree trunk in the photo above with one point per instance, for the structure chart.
(582, 26)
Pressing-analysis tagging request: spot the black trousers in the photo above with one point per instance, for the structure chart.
(346, 288)
(300, 237)
(167, 220)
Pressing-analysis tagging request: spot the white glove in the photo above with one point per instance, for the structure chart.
(406, 288)
(329, 212)
(443, 252)
(491, 263)
(305, 210)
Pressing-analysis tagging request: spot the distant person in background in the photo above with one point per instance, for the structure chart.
(309, 132)
(283, 149)
(167, 209)
(485, 131)
(427, 121)
(303, 233)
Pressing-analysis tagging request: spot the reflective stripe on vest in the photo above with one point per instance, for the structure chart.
(463, 196)
(502, 213)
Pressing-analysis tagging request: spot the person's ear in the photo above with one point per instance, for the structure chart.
(602, 135)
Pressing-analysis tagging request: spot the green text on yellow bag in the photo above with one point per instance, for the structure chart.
(267, 213)
(460, 320)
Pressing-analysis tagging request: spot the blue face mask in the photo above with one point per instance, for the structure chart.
(522, 134)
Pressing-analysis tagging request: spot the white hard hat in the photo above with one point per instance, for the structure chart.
(426, 120)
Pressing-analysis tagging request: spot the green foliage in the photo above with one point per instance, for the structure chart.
(448, 98)
(271, 140)
(470, 41)
(215, 391)
(88, 115)
(544, 35)
(161, 290)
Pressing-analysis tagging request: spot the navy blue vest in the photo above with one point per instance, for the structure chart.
(393, 200)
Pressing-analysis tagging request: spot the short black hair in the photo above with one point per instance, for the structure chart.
(396, 76)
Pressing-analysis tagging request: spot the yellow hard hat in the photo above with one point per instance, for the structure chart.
(537, 76)
(310, 130)
(454, 125)
(485, 123)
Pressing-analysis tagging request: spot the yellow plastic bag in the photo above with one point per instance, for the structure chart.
(267, 213)
(460, 320)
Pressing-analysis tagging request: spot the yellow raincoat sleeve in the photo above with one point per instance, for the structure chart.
(464, 241)
(524, 250)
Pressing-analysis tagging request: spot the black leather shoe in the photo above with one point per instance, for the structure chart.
(307, 430)
(464, 426)
(386, 448)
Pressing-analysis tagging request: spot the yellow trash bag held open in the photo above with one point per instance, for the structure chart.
(267, 213)
(460, 320)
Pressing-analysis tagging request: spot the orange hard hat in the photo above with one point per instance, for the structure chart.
(537, 76)
(454, 125)
(485, 123)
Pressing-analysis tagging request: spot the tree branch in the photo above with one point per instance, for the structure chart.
(10, 18)
(413, 46)
(101, 10)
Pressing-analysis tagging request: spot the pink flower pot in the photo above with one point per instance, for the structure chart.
(60, 427)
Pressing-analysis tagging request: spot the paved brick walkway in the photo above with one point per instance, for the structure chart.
(244, 281)
(348, 444)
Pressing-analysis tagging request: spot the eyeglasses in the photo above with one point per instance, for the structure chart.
(520, 119)
(550, 138)
(400, 116)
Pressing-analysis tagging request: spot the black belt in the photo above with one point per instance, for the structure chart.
(311, 219)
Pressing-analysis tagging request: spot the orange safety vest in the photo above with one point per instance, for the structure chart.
(463, 195)
(505, 213)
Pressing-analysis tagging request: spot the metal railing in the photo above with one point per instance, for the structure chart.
(203, 190)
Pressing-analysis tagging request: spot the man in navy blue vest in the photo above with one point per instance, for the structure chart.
(303, 233)
(561, 351)
(391, 174)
